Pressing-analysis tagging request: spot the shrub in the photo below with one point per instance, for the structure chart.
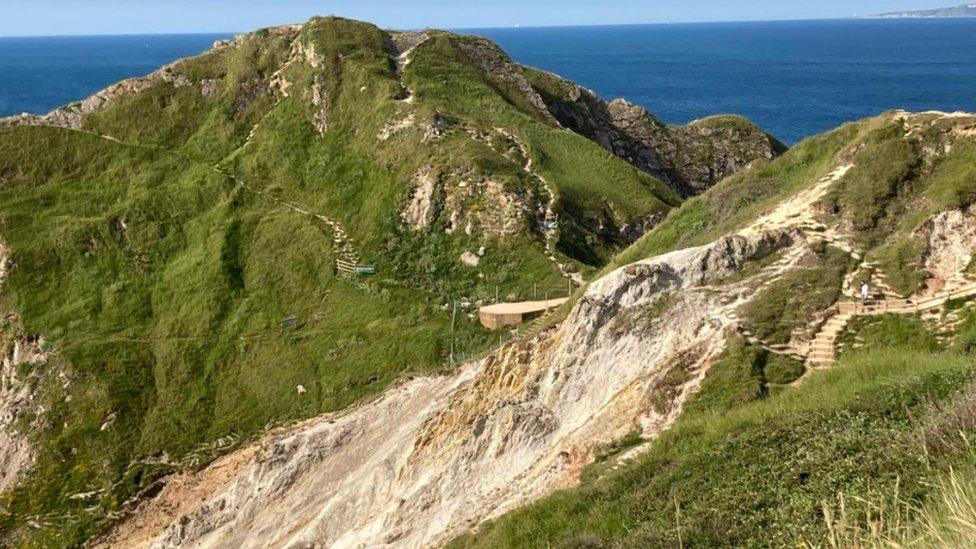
(781, 370)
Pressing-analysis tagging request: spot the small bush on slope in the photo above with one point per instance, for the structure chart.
(965, 340)
(781, 370)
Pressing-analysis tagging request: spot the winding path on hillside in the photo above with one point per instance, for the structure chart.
(347, 256)
(549, 214)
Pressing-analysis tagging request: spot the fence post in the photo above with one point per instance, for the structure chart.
(453, 319)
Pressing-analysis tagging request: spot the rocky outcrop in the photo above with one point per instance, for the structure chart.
(323, 103)
(72, 115)
(422, 207)
(498, 66)
(688, 158)
(17, 396)
(18, 384)
(482, 205)
(950, 242)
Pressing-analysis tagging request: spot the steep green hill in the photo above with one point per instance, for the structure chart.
(849, 456)
(179, 245)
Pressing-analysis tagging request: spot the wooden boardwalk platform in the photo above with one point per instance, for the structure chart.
(500, 315)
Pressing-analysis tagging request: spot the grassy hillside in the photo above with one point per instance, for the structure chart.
(177, 252)
(901, 177)
(165, 292)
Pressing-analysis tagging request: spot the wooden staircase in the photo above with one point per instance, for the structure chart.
(823, 348)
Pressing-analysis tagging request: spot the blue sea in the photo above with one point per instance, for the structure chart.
(795, 79)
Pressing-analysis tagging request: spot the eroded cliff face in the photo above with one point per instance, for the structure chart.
(950, 240)
(19, 411)
(435, 456)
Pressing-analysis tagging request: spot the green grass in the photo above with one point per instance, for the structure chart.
(163, 287)
(883, 170)
(888, 331)
(947, 518)
(757, 473)
(789, 303)
(953, 183)
(900, 260)
(725, 121)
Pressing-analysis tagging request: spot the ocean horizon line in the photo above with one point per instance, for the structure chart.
(513, 27)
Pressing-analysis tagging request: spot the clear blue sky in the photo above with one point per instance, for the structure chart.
(55, 17)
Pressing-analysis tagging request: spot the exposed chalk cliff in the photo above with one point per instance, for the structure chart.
(20, 413)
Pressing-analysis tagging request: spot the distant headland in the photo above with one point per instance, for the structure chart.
(965, 10)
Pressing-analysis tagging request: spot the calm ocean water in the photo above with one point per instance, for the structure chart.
(40, 74)
(793, 78)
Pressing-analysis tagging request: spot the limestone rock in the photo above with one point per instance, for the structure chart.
(422, 207)
(470, 259)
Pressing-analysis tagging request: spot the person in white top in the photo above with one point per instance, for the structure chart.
(865, 291)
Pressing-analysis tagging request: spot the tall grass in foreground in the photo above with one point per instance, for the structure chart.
(948, 516)
(947, 520)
